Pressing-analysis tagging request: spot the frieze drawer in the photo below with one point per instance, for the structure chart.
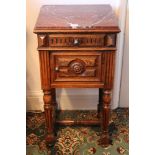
(82, 40)
(77, 40)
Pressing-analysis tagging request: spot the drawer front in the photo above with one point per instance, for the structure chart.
(76, 66)
(82, 40)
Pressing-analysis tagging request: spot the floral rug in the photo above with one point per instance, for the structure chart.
(79, 140)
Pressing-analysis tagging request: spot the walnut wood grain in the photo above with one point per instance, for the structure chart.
(82, 40)
(105, 114)
(45, 70)
(75, 40)
(77, 85)
(79, 122)
(99, 106)
(110, 40)
(99, 30)
(65, 66)
(77, 47)
(49, 107)
(42, 40)
(108, 59)
(58, 49)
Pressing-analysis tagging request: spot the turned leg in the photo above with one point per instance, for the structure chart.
(53, 90)
(99, 106)
(54, 98)
(49, 107)
(105, 114)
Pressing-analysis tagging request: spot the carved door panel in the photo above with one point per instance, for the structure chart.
(76, 66)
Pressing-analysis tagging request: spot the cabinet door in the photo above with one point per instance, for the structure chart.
(76, 66)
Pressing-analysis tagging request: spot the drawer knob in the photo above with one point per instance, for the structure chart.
(56, 69)
(76, 42)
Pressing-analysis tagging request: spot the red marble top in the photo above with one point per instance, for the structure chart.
(53, 17)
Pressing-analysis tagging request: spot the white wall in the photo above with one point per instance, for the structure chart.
(67, 98)
(124, 90)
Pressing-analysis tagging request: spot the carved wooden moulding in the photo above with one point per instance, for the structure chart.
(77, 40)
(76, 66)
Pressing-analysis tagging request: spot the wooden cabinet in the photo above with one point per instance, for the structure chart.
(77, 46)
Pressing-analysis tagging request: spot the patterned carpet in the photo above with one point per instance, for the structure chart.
(78, 140)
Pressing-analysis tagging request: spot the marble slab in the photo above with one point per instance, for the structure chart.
(76, 17)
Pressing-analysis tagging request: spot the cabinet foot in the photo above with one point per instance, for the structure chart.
(105, 140)
(50, 139)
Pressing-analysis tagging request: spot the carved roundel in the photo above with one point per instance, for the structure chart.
(77, 66)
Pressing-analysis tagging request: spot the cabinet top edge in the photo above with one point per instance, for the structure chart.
(67, 30)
